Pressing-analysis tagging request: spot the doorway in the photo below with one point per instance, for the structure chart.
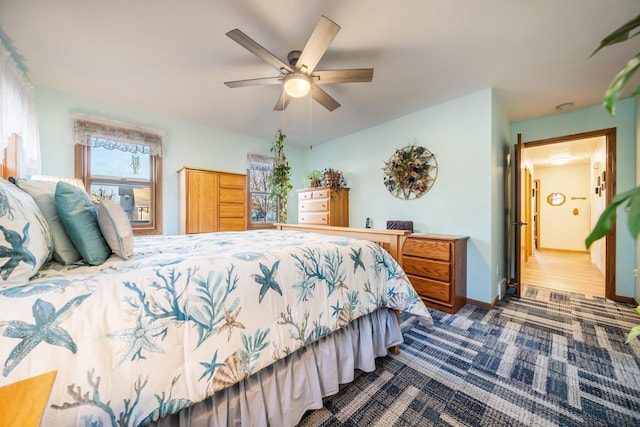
(566, 183)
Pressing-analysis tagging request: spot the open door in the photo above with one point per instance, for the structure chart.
(518, 222)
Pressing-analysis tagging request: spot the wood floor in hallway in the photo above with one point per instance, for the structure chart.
(566, 271)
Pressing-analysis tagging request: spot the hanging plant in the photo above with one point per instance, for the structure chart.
(280, 179)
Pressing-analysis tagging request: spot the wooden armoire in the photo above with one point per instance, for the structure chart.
(211, 201)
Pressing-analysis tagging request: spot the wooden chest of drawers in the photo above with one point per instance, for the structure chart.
(324, 206)
(437, 269)
(211, 201)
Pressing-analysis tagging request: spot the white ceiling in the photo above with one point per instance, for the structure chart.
(578, 151)
(172, 57)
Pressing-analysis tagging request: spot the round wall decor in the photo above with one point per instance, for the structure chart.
(410, 172)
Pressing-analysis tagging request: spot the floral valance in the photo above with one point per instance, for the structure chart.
(258, 161)
(111, 135)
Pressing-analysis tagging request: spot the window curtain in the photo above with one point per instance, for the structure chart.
(97, 132)
(18, 113)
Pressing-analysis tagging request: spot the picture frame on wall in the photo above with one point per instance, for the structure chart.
(603, 176)
(599, 183)
(597, 191)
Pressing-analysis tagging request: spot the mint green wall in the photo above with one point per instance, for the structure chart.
(460, 202)
(185, 144)
(500, 148)
(589, 119)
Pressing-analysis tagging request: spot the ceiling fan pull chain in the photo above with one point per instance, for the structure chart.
(310, 123)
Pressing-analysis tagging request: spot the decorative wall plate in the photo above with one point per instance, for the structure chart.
(410, 172)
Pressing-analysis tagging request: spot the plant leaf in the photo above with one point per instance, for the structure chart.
(633, 218)
(604, 224)
(619, 35)
(616, 86)
(635, 331)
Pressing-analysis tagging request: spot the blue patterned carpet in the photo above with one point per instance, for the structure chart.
(550, 358)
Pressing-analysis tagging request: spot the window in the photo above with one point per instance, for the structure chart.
(123, 165)
(263, 209)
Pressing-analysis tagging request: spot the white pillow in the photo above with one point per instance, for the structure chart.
(115, 227)
(25, 238)
(44, 194)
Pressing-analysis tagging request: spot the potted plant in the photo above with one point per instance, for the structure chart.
(333, 178)
(629, 199)
(314, 178)
(280, 178)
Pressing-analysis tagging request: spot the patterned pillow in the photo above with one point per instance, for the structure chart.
(115, 227)
(25, 238)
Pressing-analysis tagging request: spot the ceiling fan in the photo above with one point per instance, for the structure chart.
(299, 77)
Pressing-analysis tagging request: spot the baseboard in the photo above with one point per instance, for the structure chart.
(628, 300)
(573, 251)
(482, 304)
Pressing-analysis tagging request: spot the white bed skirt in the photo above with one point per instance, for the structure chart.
(280, 394)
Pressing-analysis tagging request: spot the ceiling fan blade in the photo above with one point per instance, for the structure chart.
(324, 98)
(358, 75)
(255, 82)
(283, 101)
(245, 41)
(317, 45)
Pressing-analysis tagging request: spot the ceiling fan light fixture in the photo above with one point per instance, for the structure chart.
(297, 85)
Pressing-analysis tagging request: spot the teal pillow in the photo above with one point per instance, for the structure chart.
(81, 223)
(44, 194)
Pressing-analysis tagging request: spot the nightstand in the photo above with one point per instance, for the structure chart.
(436, 266)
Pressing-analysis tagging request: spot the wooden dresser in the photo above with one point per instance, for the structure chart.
(324, 206)
(212, 201)
(437, 268)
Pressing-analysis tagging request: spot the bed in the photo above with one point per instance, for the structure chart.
(250, 328)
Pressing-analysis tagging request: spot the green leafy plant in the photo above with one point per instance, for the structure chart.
(313, 178)
(621, 34)
(280, 179)
(630, 199)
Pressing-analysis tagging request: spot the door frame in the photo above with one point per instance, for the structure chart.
(610, 240)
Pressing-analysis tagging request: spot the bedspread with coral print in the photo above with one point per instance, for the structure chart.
(135, 340)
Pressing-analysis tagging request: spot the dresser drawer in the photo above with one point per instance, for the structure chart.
(233, 181)
(312, 205)
(232, 224)
(232, 210)
(426, 268)
(428, 288)
(231, 195)
(428, 249)
(307, 195)
(313, 218)
(320, 194)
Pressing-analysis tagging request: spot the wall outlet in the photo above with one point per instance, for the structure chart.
(636, 272)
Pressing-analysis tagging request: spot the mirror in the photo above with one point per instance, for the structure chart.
(556, 199)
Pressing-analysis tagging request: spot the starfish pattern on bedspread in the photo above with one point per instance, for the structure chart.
(46, 328)
(267, 280)
(141, 337)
